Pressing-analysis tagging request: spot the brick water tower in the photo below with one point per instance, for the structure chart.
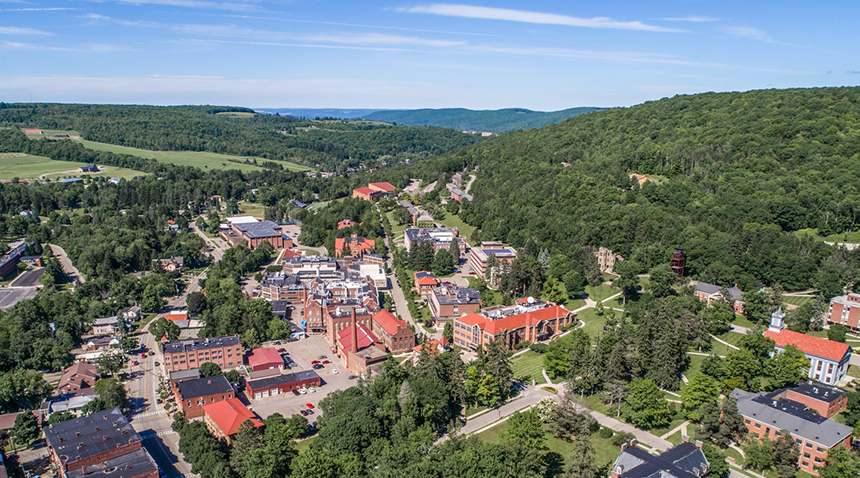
(678, 261)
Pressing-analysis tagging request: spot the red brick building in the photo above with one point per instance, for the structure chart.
(256, 233)
(366, 194)
(359, 349)
(766, 414)
(394, 333)
(192, 395)
(264, 359)
(529, 320)
(425, 281)
(845, 310)
(279, 384)
(823, 398)
(384, 188)
(186, 354)
(356, 245)
(224, 418)
(78, 376)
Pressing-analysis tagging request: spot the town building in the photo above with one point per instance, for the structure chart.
(826, 400)
(360, 350)
(433, 347)
(458, 194)
(224, 419)
(479, 256)
(339, 316)
(708, 293)
(280, 286)
(80, 445)
(357, 245)
(10, 260)
(264, 358)
(225, 351)
(528, 320)
(448, 301)
(311, 267)
(279, 384)
(137, 464)
(845, 310)
(130, 314)
(102, 342)
(767, 415)
(366, 194)
(686, 460)
(425, 281)
(182, 375)
(828, 359)
(384, 188)
(256, 233)
(394, 333)
(606, 260)
(172, 264)
(441, 237)
(78, 376)
(359, 270)
(105, 326)
(192, 395)
(345, 223)
(72, 402)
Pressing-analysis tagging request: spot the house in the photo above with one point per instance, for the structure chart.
(606, 260)
(279, 384)
(528, 320)
(105, 326)
(130, 314)
(448, 301)
(425, 281)
(102, 342)
(192, 395)
(345, 223)
(264, 358)
(708, 293)
(82, 446)
(384, 188)
(685, 460)
(480, 256)
(224, 418)
(366, 194)
(828, 359)
(173, 264)
(394, 333)
(816, 435)
(357, 245)
(441, 237)
(824, 399)
(225, 351)
(33, 131)
(641, 179)
(90, 168)
(78, 376)
(72, 402)
(845, 310)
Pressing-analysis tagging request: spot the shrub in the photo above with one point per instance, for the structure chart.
(606, 432)
(622, 438)
(550, 389)
(522, 345)
(539, 348)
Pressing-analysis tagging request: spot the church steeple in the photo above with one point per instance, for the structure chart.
(777, 320)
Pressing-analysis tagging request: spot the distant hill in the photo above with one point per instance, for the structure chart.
(311, 113)
(497, 121)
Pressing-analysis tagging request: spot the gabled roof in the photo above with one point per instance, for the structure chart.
(365, 338)
(734, 292)
(683, 461)
(230, 414)
(384, 187)
(364, 190)
(388, 321)
(264, 356)
(426, 278)
(810, 345)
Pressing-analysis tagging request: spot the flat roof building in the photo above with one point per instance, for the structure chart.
(192, 395)
(225, 351)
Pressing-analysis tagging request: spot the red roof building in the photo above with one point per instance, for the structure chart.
(358, 348)
(529, 320)
(78, 376)
(366, 194)
(264, 359)
(357, 245)
(828, 359)
(345, 224)
(425, 281)
(224, 418)
(176, 316)
(395, 333)
(382, 187)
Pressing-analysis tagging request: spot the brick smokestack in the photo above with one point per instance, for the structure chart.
(354, 332)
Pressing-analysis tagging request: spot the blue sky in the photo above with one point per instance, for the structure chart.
(543, 55)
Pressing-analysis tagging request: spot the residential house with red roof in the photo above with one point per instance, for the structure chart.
(357, 245)
(528, 320)
(394, 333)
(345, 223)
(366, 194)
(224, 418)
(828, 359)
(433, 347)
(78, 376)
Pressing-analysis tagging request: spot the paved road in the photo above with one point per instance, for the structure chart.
(216, 245)
(70, 269)
(531, 396)
(28, 279)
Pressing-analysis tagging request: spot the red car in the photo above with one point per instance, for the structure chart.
(143, 355)
(309, 405)
(315, 362)
(282, 351)
(326, 361)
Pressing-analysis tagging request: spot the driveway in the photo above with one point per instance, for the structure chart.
(70, 269)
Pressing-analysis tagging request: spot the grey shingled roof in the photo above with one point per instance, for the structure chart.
(734, 292)
(129, 465)
(784, 415)
(681, 461)
(83, 437)
(204, 386)
(282, 379)
(193, 345)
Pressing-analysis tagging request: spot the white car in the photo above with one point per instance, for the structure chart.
(334, 370)
(312, 390)
(303, 391)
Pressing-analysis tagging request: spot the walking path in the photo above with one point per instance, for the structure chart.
(682, 427)
(724, 342)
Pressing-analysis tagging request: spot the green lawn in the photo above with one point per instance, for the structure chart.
(529, 363)
(798, 301)
(600, 292)
(573, 304)
(26, 166)
(593, 322)
(675, 438)
(454, 221)
(851, 237)
(197, 159)
(694, 367)
(730, 337)
(742, 321)
(396, 230)
(605, 450)
(304, 445)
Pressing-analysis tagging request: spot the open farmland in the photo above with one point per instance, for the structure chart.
(26, 166)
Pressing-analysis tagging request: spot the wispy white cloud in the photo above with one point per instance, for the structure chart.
(383, 39)
(22, 31)
(201, 4)
(751, 33)
(88, 48)
(691, 18)
(489, 13)
(46, 9)
(360, 25)
(853, 72)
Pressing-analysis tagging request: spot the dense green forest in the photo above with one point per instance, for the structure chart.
(330, 145)
(497, 121)
(736, 176)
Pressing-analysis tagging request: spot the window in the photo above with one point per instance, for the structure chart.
(758, 425)
(817, 460)
(805, 463)
(746, 421)
(807, 455)
(809, 445)
(820, 450)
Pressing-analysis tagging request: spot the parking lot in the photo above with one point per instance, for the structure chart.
(28, 278)
(10, 297)
(303, 352)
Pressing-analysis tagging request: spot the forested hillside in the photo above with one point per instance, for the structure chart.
(735, 174)
(497, 121)
(323, 144)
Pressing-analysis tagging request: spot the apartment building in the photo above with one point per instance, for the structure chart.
(845, 310)
(478, 257)
(185, 354)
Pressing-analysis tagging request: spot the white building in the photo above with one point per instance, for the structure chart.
(828, 359)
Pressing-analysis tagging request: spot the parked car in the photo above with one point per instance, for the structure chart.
(309, 405)
(157, 364)
(282, 351)
(334, 370)
(326, 362)
(143, 355)
(310, 412)
(318, 366)
(314, 362)
(277, 342)
(312, 390)
(136, 363)
(351, 377)
(303, 391)
(296, 393)
(322, 357)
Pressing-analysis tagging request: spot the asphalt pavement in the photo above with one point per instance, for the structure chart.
(70, 269)
(28, 278)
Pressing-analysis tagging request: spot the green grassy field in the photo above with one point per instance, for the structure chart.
(529, 363)
(396, 230)
(600, 292)
(851, 237)
(798, 301)
(197, 159)
(693, 367)
(305, 445)
(742, 321)
(455, 221)
(25, 166)
(593, 322)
